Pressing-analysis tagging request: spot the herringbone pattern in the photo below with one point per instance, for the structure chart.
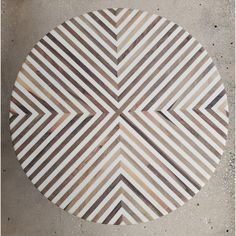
(118, 116)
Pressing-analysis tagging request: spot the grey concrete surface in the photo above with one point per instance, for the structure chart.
(25, 212)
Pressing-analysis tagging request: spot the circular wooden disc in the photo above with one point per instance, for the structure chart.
(118, 116)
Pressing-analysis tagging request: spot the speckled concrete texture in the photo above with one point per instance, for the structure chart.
(25, 212)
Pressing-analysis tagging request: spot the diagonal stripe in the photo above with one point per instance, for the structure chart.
(118, 116)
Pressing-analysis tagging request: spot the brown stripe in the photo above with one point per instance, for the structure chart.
(82, 66)
(158, 162)
(139, 39)
(88, 59)
(144, 173)
(177, 141)
(174, 78)
(158, 174)
(94, 40)
(55, 165)
(129, 24)
(102, 36)
(80, 76)
(102, 24)
(151, 51)
(48, 146)
(151, 64)
(70, 79)
(64, 86)
(90, 49)
(83, 164)
(194, 133)
(44, 137)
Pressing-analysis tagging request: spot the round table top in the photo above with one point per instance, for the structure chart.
(118, 116)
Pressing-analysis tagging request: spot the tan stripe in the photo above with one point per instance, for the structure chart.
(59, 69)
(72, 147)
(178, 142)
(102, 24)
(102, 36)
(194, 133)
(146, 44)
(82, 66)
(172, 81)
(129, 24)
(85, 44)
(155, 159)
(88, 59)
(158, 174)
(80, 76)
(131, 161)
(94, 40)
(162, 153)
(68, 89)
(47, 147)
(134, 31)
(89, 171)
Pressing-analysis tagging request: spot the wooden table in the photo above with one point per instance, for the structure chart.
(118, 116)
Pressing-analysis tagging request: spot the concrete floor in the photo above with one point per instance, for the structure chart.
(25, 212)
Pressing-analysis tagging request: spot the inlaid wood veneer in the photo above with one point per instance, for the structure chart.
(118, 116)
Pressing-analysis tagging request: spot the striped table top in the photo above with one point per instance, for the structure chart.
(118, 116)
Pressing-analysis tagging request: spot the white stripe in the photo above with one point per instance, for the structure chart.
(75, 78)
(166, 163)
(28, 121)
(52, 148)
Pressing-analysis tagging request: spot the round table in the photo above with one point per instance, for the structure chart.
(118, 116)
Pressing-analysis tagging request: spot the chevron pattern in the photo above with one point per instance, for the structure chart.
(118, 116)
